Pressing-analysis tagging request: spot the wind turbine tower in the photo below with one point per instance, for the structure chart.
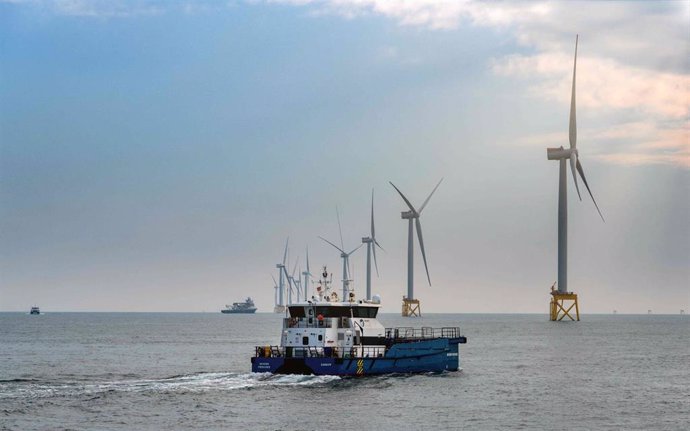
(410, 306)
(291, 282)
(280, 307)
(307, 278)
(371, 243)
(561, 297)
(275, 292)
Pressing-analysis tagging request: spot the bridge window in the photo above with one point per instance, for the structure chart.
(296, 311)
(357, 311)
(305, 341)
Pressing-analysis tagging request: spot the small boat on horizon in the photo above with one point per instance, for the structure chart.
(35, 310)
(246, 307)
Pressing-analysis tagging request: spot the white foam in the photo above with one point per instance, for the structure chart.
(200, 382)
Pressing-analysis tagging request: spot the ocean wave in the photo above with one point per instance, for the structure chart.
(198, 382)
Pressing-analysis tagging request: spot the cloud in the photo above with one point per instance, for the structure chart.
(433, 14)
(634, 62)
(105, 8)
(627, 143)
(634, 68)
(656, 146)
(604, 83)
(115, 8)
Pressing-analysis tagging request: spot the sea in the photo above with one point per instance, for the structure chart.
(191, 371)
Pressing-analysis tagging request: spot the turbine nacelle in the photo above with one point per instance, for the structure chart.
(560, 153)
(406, 215)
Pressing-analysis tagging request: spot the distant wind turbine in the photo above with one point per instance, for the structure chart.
(344, 255)
(371, 243)
(291, 281)
(275, 291)
(307, 278)
(281, 272)
(413, 214)
(562, 155)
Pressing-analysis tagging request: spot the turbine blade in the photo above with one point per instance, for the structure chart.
(572, 169)
(376, 265)
(336, 247)
(421, 245)
(307, 258)
(584, 180)
(286, 274)
(295, 267)
(427, 199)
(373, 235)
(286, 249)
(414, 211)
(573, 122)
(274, 281)
(354, 250)
(340, 229)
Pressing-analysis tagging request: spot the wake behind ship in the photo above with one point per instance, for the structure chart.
(246, 307)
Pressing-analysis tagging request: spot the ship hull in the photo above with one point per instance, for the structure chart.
(251, 311)
(435, 355)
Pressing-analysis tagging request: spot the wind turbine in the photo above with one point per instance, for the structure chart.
(562, 155)
(291, 281)
(298, 282)
(371, 243)
(307, 278)
(281, 284)
(345, 256)
(413, 214)
(275, 291)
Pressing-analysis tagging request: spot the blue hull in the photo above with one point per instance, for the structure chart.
(435, 355)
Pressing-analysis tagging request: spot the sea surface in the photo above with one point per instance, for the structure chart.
(153, 371)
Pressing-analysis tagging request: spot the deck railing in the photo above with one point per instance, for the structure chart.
(393, 335)
(404, 333)
(320, 352)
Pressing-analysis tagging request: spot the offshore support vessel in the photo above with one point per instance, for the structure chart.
(246, 307)
(329, 336)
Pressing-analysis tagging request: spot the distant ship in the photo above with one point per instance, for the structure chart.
(35, 310)
(246, 307)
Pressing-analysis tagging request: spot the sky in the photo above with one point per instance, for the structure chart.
(156, 155)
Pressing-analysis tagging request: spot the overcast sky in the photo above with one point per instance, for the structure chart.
(155, 155)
